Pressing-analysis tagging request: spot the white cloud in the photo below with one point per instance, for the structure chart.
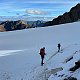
(36, 12)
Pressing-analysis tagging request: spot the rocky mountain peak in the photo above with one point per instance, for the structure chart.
(68, 17)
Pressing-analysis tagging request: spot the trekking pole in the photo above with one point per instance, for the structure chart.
(44, 73)
(45, 78)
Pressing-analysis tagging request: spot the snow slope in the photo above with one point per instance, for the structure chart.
(19, 52)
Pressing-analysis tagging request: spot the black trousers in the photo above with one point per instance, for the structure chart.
(42, 57)
(58, 49)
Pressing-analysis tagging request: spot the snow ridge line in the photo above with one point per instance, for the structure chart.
(44, 71)
(61, 51)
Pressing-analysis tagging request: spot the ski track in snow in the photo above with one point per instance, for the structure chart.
(8, 52)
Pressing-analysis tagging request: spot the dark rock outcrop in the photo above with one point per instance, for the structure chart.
(70, 78)
(68, 17)
(77, 65)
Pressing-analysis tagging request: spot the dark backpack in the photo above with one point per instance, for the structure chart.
(59, 45)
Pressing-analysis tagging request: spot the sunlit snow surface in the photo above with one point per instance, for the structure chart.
(19, 52)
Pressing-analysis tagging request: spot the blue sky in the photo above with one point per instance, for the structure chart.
(35, 8)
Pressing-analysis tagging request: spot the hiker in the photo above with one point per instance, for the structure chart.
(42, 53)
(59, 46)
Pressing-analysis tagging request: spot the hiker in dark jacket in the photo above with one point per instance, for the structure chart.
(59, 47)
(42, 53)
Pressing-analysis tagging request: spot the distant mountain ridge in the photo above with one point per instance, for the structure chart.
(19, 24)
(68, 17)
(13, 25)
(38, 23)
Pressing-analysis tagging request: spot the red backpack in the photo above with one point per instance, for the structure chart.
(42, 51)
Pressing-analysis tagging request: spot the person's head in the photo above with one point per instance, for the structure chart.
(58, 43)
(43, 47)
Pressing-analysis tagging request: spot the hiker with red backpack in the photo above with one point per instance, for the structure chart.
(42, 53)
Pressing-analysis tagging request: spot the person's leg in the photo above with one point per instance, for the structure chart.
(42, 61)
(58, 49)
